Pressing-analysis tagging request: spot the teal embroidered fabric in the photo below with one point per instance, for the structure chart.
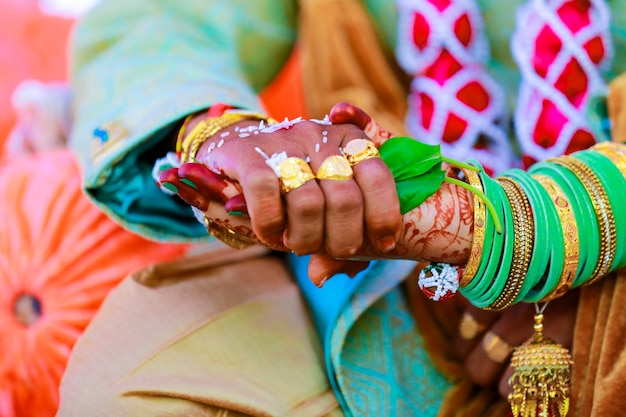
(375, 357)
(378, 354)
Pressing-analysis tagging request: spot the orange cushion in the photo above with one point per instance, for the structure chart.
(59, 257)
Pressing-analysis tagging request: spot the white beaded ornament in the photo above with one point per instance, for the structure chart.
(439, 281)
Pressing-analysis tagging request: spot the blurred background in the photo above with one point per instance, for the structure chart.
(33, 36)
(33, 46)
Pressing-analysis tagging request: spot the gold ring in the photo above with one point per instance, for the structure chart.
(293, 173)
(358, 150)
(469, 327)
(496, 349)
(335, 167)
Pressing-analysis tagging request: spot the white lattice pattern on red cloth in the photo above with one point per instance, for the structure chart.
(453, 101)
(560, 47)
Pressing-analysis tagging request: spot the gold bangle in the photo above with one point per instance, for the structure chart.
(208, 127)
(524, 232)
(615, 152)
(478, 240)
(182, 131)
(226, 235)
(570, 236)
(602, 209)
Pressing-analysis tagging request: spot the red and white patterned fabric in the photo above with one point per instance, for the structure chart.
(453, 101)
(560, 47)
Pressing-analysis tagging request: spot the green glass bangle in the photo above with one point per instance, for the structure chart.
(588, 228)
(495, 282)
(614, 185)
(603, 214)
(493, 245)
(549, 244)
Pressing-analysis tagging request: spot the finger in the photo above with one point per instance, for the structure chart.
(489, 358)
(382, 215)
(305, 219)
(322, 268)
(235, 231)
(504, 388)
(204, 181)
(202, 195)
(261, 187)
(213, 186)
(236, 205)
(343, 217)
(473, 325)
(315, 212)
(349, 113)
(170, 180)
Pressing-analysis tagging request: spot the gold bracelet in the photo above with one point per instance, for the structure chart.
(570, 236)
(615, 152)
(226, 235)
(191, 143)
(524, 227)
(478, 240)
(182, 131)
(602, 209)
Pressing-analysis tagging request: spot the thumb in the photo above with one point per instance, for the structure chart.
(323, 267)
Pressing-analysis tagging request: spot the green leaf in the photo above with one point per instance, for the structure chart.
(417, 171)
(415, 191)
(416, 168)
(408, 158)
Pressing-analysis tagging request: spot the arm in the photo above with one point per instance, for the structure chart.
(139, 67)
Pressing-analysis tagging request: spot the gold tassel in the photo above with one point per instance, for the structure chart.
(542, 378)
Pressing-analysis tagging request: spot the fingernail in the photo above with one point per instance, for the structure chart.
(386, 244)
(189, 183)
(171, 187)
(236, 213)
(322, 282)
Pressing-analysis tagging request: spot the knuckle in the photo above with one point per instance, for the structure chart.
(345, 203)
(267, 228)
(307, 205)
(262, 181)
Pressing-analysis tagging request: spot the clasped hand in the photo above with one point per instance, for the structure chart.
(354, 218)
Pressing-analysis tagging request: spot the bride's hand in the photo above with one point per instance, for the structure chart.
(354, 219)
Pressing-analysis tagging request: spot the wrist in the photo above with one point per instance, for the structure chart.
(199, 128)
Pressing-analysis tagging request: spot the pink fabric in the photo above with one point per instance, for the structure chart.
(452, 100)
(559, 47)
